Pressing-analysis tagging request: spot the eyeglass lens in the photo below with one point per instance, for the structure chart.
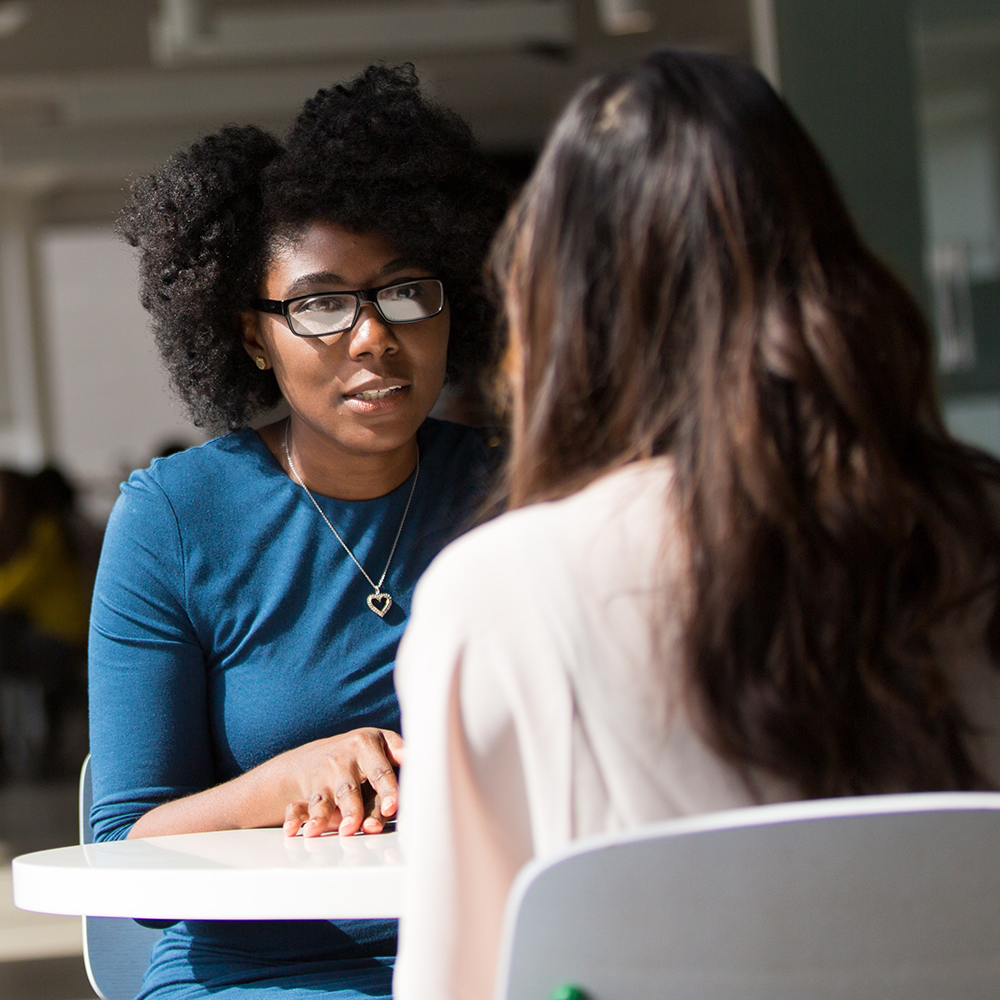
(334, 312)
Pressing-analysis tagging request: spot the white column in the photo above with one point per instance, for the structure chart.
(22, 422)
(764, 30)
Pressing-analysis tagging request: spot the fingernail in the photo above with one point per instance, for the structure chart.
(388, 804)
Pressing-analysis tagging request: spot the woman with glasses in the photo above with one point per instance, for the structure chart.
(252, 591)
(744, 560)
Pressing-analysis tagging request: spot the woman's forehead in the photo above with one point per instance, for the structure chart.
(325, 253)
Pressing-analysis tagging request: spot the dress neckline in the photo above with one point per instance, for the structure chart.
(274, 469)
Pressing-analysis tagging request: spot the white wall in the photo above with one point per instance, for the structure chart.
(109, 404)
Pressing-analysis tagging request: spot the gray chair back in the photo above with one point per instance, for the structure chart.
(891, 897)
(115, 951)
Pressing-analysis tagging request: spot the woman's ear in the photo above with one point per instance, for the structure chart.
(253, 343)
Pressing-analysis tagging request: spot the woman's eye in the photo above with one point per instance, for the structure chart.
(324, 304)
(403, 293)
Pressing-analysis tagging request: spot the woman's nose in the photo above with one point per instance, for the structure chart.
(371, 334)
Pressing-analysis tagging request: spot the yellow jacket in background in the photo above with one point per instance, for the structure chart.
(42, 581)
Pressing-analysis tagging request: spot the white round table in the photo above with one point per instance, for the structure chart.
(230, 875)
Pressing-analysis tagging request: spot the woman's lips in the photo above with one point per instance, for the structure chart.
(376, 400)
(373, 394)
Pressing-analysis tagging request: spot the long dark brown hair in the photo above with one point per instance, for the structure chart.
(681, 278)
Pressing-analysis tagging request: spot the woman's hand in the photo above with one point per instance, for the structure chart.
(325, 781)
(345, 783)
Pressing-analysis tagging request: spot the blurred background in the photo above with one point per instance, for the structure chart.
(902, 96)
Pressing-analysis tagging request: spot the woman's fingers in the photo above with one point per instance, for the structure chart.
(375, 820)
(372, 770)
(313, 817)
(351, 804)
(323, 815)
(396, 746)
(381, 775)
(296, 814)
(357, 782)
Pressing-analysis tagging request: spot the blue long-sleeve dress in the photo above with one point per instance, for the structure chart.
(228, 626)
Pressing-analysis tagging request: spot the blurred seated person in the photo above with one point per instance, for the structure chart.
(742, 561)
(44, 606)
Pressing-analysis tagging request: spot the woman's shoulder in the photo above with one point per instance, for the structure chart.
(220, 475)
(206, 468)
(636, 492)
(611, 527)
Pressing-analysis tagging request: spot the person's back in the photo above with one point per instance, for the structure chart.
(566, 663)
(742, 561)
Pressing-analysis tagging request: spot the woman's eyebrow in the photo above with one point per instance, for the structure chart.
(399, 264)
(329, 278)
(314, 278)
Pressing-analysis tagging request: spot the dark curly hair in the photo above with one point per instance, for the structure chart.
(371, 155)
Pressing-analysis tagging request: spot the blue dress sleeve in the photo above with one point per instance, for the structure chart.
(149, 724)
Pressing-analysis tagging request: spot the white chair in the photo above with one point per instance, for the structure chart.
(115, 950)
(892, 897)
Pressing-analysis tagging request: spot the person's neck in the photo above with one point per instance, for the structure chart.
(331, 470)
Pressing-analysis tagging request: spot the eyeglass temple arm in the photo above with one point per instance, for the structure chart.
(269, 306)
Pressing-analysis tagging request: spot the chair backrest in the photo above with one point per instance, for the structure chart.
(115, 951)
(892, 897)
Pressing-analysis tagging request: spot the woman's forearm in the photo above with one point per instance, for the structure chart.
(255, 799)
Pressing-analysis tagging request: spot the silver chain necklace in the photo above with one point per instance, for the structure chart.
(379, 601)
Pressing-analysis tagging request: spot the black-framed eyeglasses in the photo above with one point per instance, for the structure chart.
(325, 313)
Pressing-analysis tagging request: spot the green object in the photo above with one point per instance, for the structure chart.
(568, 992)
(848, 71)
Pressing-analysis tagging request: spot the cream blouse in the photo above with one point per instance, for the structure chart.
(541, 705)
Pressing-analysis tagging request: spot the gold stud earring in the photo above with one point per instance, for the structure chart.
(261, 363)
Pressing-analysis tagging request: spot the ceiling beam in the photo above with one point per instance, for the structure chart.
(185, 33)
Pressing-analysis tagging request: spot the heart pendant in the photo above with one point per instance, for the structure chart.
(380, 603)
